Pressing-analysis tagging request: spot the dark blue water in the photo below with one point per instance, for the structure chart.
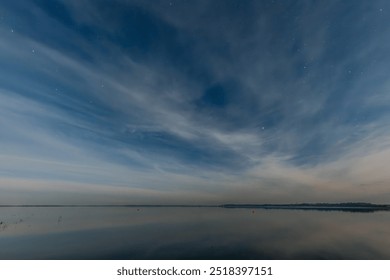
(191, 233)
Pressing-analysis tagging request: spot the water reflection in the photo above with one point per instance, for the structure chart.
(191, 233)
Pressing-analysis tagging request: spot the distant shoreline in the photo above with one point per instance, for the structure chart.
(349, 206)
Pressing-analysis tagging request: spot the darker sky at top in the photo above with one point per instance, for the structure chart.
(205, 89)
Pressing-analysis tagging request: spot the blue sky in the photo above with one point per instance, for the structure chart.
(195, 102)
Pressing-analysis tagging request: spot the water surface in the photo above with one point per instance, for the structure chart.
(191, 233)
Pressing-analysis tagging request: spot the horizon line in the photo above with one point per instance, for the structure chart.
(227, 205)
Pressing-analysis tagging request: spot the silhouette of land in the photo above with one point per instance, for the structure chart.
(348, 206)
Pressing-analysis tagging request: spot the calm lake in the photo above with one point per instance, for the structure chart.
(191, 233)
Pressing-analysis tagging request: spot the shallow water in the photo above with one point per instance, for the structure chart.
(191, 233)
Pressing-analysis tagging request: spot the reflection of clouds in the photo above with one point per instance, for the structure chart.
(305, 112)
(179, 233)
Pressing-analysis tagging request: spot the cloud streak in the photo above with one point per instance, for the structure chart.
(255, 102)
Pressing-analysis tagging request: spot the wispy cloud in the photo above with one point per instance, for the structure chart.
(257, 101)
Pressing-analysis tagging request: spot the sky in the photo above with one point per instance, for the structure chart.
(195, 102)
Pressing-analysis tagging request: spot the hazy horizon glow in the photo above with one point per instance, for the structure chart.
(194, 102)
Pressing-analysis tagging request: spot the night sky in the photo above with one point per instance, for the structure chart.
(194, 101)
